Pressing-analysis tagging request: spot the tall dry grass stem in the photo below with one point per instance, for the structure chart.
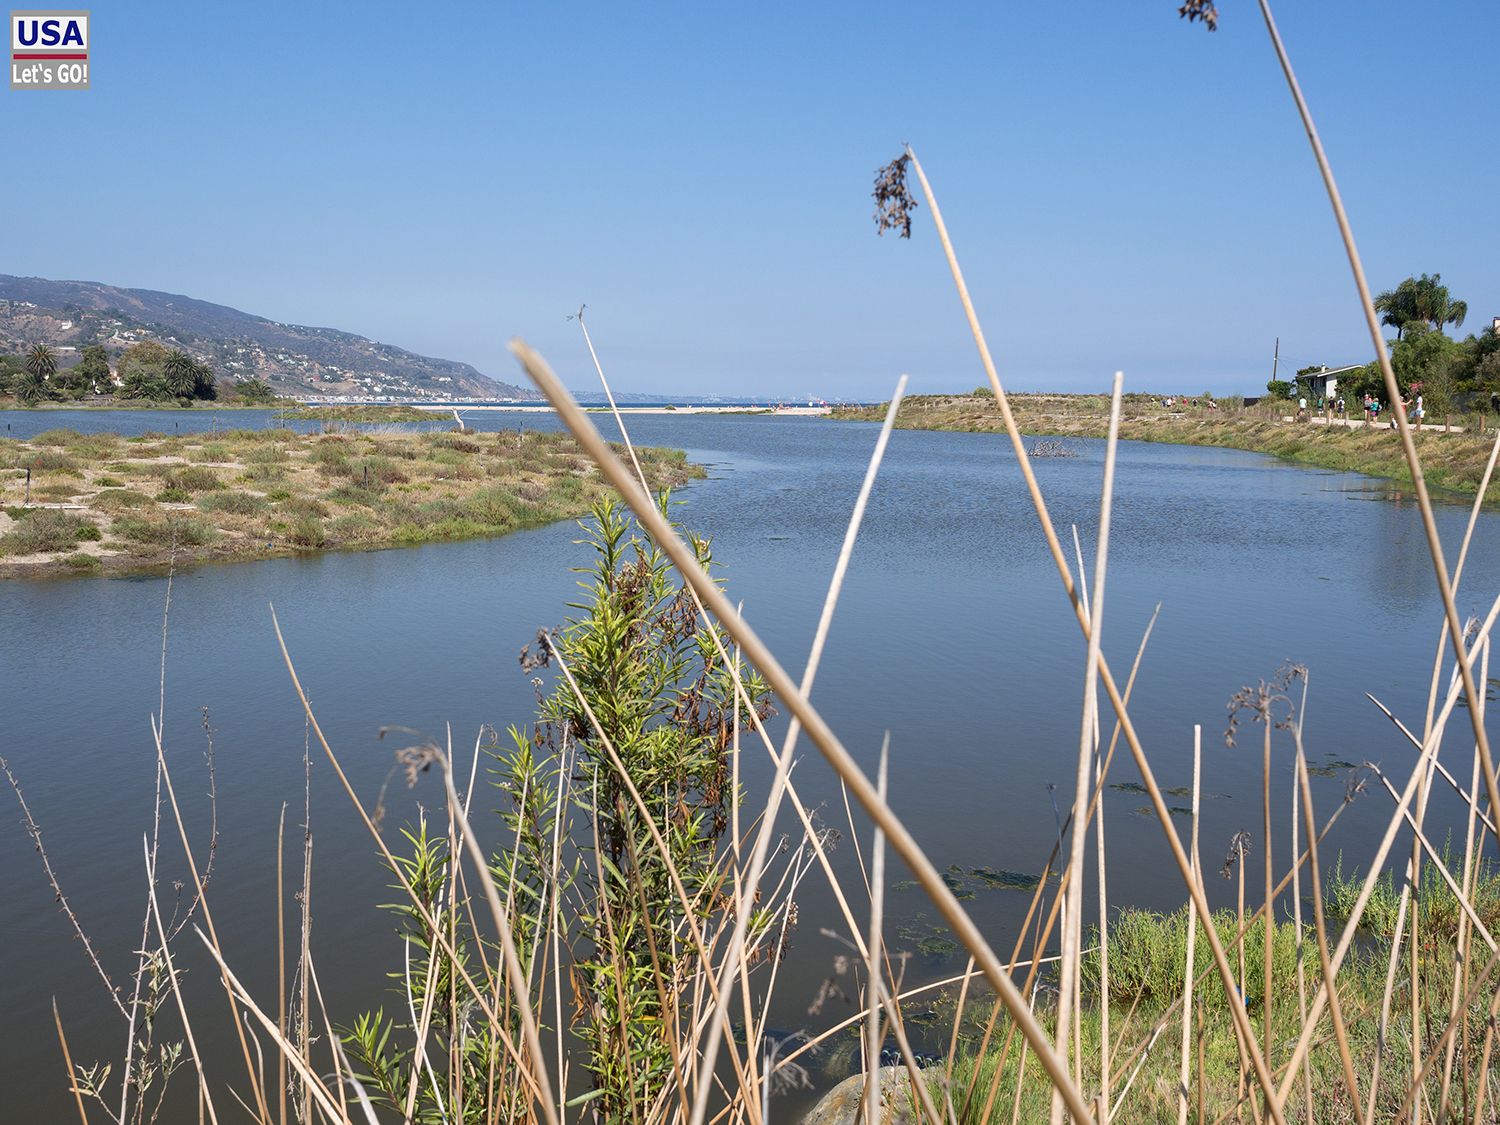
(1242, 1024)
(1068, 996)
(1192, 937)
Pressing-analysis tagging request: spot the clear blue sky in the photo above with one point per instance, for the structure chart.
(1125, 190)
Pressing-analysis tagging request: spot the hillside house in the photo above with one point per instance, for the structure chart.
(1324, 384)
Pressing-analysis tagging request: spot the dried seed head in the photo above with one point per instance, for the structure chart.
(1239, 847)
(1200, 10)
(894, 202)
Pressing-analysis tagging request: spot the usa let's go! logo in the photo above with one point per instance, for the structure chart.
(49, 50)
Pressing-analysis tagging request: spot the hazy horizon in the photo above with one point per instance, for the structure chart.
(1125, 190)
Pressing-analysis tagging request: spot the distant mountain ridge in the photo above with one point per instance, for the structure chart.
(295, 359)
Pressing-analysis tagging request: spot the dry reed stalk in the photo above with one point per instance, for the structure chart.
(187, 1026)
(1164, 817)
(281, 1074)
(1242, 994)
(312, 973)
(1268, 1023)
(1307, 1090)
(873, 1038)
(257, 1088)
(304, 929)
(1102, 859)
(822, 735)
(1068, 997)
(1461, 952)
(422, 1024)
(62, 1039)
(310, 1078)
(1192, 934)
(1329, 969)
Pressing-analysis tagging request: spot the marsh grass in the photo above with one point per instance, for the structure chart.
(255, 493)
(46, 531)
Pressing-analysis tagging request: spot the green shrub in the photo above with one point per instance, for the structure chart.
(213, 451)
(44, 530)
(88, 533)
(276, 495)
(80, 562)
(354, 494)
(192, 478)
(50, 461)
(235, 503)
(58, 437)
(307, 531)
(116, 499)
(264, 472)
(380, 470)
(109, 482)
(295, 506)
(174, 496)
(186, 531)
(353, 526)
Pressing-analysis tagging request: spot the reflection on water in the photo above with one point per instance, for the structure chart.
(952, 634)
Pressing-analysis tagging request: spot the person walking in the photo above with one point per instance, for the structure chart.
(1419, 412)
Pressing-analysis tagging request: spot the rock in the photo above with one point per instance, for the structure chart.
(841, 1105)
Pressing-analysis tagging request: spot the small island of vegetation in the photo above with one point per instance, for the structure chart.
(102, 503)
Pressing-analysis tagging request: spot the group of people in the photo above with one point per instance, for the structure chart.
(1411, 406)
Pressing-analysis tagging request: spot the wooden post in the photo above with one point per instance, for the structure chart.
(27, 502)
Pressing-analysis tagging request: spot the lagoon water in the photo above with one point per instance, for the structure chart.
(953, 635)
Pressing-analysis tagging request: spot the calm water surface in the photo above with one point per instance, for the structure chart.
(952, 634)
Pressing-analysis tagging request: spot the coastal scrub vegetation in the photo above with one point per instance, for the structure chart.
(243, 494)
(143, 374)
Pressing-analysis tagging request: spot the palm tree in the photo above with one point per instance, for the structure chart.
(41, 363)
(1435, 306)
(1420, 300)
(204, 386)
(182, 374)
(30, 388)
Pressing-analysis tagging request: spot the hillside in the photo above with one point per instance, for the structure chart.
(293, 358)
